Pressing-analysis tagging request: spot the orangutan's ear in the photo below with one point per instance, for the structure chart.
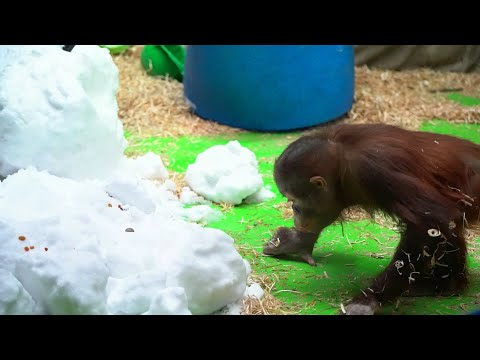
(318, 181)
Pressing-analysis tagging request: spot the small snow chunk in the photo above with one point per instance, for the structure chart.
(189, 197)
(201, 213)
(255, 290)
(260, 196)
(148, 166)
(225, 174)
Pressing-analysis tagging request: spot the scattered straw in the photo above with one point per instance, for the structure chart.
(356, 213)
(286, 210)
(227, 208)
(179, 181)
(471, 236)
(268, 305)
(407, 98)
(155, 106)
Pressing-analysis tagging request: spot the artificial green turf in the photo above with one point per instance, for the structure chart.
(346, 263)
(464, 99)
(467, 131)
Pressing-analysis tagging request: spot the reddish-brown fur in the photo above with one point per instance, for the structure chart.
(426, 181)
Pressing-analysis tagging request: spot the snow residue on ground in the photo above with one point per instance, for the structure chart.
(189, 197)
(227, 174)
(83, 229)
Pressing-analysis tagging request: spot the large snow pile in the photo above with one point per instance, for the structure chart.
(83, 229)
(227, 174)
(58, 109)
(67, 243)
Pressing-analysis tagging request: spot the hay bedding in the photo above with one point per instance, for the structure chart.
(150, 106)
(408, 98)
(155, 106)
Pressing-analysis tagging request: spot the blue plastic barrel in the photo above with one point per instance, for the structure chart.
(269, 87)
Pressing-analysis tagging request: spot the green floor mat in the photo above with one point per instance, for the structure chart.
(346, 261)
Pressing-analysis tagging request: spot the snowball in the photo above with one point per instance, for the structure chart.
(58, 111)
(223, 272)
(225, 174)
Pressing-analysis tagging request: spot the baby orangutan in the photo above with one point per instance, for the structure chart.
(430, 183)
